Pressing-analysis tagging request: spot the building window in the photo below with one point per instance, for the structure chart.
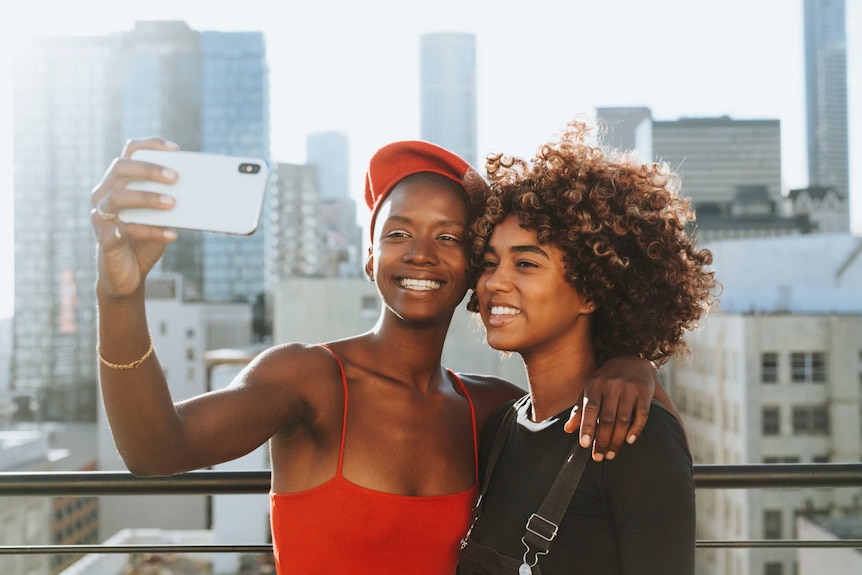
(771, 421)
(773, 568)
(772, 524)
(808, 367)
(810, 420)
(769, 367)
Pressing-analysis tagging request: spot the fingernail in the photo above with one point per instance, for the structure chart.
(586, 441)
(597, 457)
(169, 234)
(172, 145)
(631, 438)
(166, 200)
(169, 173)
(611, 455)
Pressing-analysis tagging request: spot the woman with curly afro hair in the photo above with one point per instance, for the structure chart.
(583, 253)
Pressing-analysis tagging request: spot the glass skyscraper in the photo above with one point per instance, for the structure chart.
(448, 92)
(826, 94)
(76, 100)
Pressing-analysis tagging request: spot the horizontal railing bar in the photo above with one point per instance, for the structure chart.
(760, 475)
(794, 543)
(706, 476)
(177, 548)
(123, 482)
(93, 483)
(129, 549)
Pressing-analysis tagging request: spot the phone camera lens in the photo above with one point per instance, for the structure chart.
(246, 168)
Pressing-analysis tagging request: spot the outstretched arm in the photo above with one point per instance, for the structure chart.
(154, 435)
(615, 405)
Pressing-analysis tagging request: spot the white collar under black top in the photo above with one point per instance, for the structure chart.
(524, 413)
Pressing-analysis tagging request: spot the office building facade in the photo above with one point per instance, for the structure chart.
(329, 153)
(76, 101)
(826, 96)
(294, 247)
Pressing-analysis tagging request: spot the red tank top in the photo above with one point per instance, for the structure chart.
(342, 528)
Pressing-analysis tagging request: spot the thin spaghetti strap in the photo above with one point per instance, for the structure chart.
(344, 416)
(473, 420)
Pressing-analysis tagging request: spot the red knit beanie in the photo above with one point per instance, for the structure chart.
(394, 162)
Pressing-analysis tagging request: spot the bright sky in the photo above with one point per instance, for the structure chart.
(353, 66)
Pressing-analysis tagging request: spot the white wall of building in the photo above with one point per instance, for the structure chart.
(722, 397)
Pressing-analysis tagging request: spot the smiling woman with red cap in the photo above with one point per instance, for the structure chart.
(372, 441)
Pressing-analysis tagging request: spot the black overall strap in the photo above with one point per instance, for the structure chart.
(542, 525)
(494, 455)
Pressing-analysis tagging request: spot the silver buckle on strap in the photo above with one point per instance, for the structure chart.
(539, 523)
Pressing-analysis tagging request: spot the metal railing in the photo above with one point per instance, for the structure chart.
(95, 483)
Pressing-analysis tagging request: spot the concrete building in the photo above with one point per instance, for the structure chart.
(25, 520)
(6, 404)
(295, 242)
(774, 377)
(75, 102)
(447, 100)
(329, 152)
(718, 158)
(183, 332)
(826, 97)
(825, 208)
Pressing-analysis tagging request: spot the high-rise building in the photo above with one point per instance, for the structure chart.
(294, 246)
(826, 96)
(448, 92)
(329, 152)
(76, 100)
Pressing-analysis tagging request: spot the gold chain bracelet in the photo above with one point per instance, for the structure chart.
(126, 366)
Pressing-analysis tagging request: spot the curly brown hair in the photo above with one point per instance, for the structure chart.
(624, 231)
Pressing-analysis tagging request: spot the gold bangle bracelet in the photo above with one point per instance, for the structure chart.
(126, 366)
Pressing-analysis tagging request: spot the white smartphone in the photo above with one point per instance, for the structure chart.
(214, 193)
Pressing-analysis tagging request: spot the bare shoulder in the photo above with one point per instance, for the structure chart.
(294, 372)
(489, 393)
(289, 361)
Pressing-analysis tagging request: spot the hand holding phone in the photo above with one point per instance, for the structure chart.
(213, 193)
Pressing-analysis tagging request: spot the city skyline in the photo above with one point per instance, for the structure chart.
(578, 58)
